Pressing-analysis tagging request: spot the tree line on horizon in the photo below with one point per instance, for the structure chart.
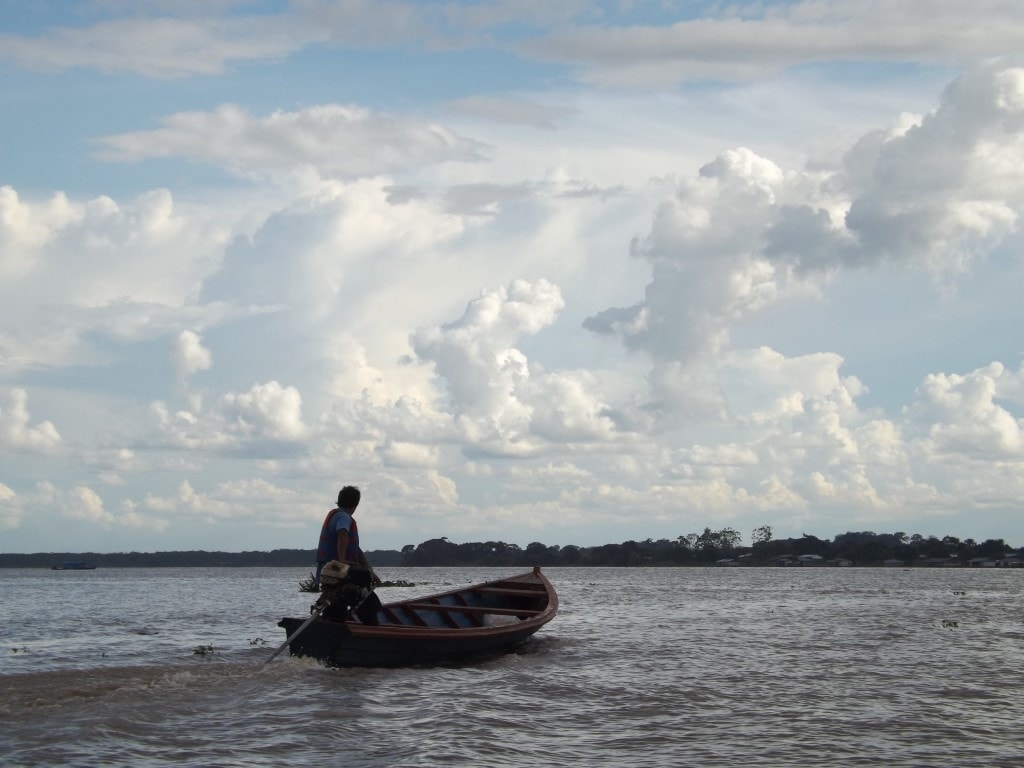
(862, 548)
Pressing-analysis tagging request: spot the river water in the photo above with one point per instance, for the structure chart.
(642, 667)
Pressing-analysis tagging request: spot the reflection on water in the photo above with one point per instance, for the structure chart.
(642, 667)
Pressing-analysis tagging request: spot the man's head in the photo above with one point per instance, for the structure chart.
(348, 497)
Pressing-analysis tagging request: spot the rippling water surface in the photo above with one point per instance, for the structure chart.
(642, 667)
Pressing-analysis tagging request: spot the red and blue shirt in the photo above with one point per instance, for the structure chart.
(338, 520)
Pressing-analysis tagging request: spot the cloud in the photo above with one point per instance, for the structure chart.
(949, 188)
(707, 272)
(570, 407)
(79, 504)
(396, 453)
(190, 355)
(935, 193)
(268, 410)
(606, 44)
(82, 503)
(267, 419)
(114, 465)
(16, 432)
(484, 375)
(501, 404)
(474, 355)
(233, 500)
(337, 140)
(511, 111)
(164, 47)
(179, 40)
(11, 512)
(965, 418)
(74, 272)
(755, 41)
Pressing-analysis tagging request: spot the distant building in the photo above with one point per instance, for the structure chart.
(981, 562)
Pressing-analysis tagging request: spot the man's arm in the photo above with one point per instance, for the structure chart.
(375, 579)
(342, 544)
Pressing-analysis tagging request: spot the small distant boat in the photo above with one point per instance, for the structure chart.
(74, 565)
(488, 618)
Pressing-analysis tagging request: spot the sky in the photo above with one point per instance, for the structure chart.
(570, 273)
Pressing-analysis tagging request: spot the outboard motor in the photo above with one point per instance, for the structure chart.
(345, 588)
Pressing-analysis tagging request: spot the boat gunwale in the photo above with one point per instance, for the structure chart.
(526, 625)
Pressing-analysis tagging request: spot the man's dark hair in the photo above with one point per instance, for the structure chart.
(348, 497)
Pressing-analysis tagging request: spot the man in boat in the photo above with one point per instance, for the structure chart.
(339, 543)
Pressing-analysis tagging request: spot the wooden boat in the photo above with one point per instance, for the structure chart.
(75, 565)
(487, 618)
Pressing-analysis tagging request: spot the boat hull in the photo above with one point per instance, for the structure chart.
(484, 619)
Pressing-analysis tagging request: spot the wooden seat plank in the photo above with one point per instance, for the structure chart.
(473, 609)
(510, 592)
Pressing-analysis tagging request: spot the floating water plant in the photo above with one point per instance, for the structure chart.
(310, 585)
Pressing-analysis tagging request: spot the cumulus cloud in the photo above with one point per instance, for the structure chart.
(190, 355)
(483, 373)
(945, 190)
(475, 356)
(568, 407)
(268, 410)
(707, 269)
(17, 433)
(502, 404)
(266, 418)
(964, 415)
(77, 505)
(231, 500)
(77, 270)
(83, 503)
(11, 511)
(337, 140)
(935, 193)
(396, 453)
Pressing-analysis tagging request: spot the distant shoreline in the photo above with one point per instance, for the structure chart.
(393, 559)
(283, 558)
(711, 548)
